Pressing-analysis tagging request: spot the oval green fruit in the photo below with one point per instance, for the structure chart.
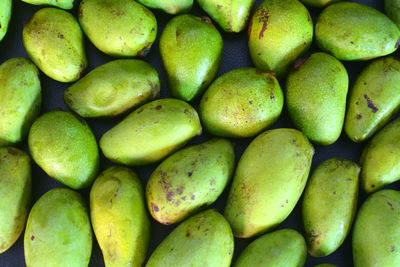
(316, 91)
(191, 50)
(241, 103)
(169, 6)
(329, 205)
(58, 231)
(204, 239)
(63, 145)
(189, 180)
(376, 234)
(318, 3)
(392, 9)
(64, 4)
(119, 217)
(352, 31)
(5, 16)
(268, 181)
(20, 99)
(113, 88)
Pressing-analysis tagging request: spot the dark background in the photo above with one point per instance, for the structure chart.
(235, 55)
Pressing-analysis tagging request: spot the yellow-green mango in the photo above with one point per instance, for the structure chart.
(20, 99)
(241, 103)
(281, 248)
(279, 32)
(204, 239)
(329, 205)
(169, 6)
(376, 234)
(231, 15)
(269, 180)
(113, 88)
(54, 41)
(58, 231)
(5, 16)
(15, 194)
(392, 9)
(352, 31)
(125, 28)
(64, 4)
(318, 3)
(191, 50)
(63, 145)
(316, 92)
(374, 98)
(119, 217)
(190, 180)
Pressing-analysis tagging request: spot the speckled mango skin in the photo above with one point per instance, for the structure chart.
(63, 145)
(5, 16)
(374, 98)
(279, 32)
(169, 6)
(329, 205)
(281, 248)
(125, 28)
(241, 103)
(204, 239)
(15, 194)
(54, 41)
(375, 35)
(163, 125)
(318, 3)
(376, 233)
(231, 15)
(190, 180)
(392, 9)
(20, 99)
(191, 51)
(119, 217)
(58, 231)
(113, 88)
(64, 4)
(275, 164)
(316, 92)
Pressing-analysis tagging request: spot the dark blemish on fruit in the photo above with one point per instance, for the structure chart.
(60, 36)
(32, 237)
(299, 63)
(392, 249)
(351, 42)
(140, 111)
(158, 107)
(359, 116)
(152, 85)
(180, 190)
(206, 20)
(365, 83)
(397, 43)
(183, 198)
(187, 234)
(334, 192)
(154, 207)
(19, 64)
(373, 186)
(251, 102)
(219, 6)
(282, 206)
(152, 30)
(243, 109)
(264, 16)
(249, 29)
(193, 197)
(287, 201)
(170, 194)
(371, 104)
(348, 180)
(145, 50)
(390, 204)
(198, 227)
(190, 174)
(12, 151)
(272, 96)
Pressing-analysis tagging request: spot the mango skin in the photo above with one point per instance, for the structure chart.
(329, 205)
(280, 248)
(190, 180)
(375, 35)
(5, 16)
(63, 145)
(392, 9)
(125, 28)
(316, 92)
(241, 103)
(376, 233)
(20, 99)
(318, 3)
(169, 6)
(279, 32)
(54, 41)
(58, 231)
(119, 217)
(64, 4)
(113, 88)
(373, 99)
(275, 164)
(15, 193)
(191, 51)
(204, 239)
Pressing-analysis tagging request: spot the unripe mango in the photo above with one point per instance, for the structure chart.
(5, 16)
(392, 9)
(318, 3)
(169, 6)
(64, 4)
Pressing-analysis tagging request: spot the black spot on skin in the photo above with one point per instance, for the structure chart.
(158, 107)
(193, 197)
(219, 6)
(299, 63)
(359, 116)
(392, 249)
(190, 174)
(187, 234)
(373, 186)
(32, 237)
(351, 42)
(263, 17)
(334, 192)
(12, 151)
(61, 36)
(371, 104)
(251, 102)
(206, 20)
(390, 204)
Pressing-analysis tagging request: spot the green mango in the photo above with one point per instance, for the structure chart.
(54, 41)
(163, 125)
(316, 92)
(113, 88)
(124, 29)
(281, 248)
(231, 15)
(63, 145)
(279, 32)
(5, 16)
(241, 103)
(15, 194)
(58, 231)
(190, 180)
(191, 50)
(64, 4)
(376, 234)
(119, 217)
(268, 181)
(352, 31)
(204, 239)
(392, 9)
(20, 99)
(373, 99)
(329, 205)
(318, 3)
(169, 6)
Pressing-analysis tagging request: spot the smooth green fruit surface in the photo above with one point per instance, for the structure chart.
(392, 9)
(5, 16)
(318, 3)
(64, 4)
(169, 6)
